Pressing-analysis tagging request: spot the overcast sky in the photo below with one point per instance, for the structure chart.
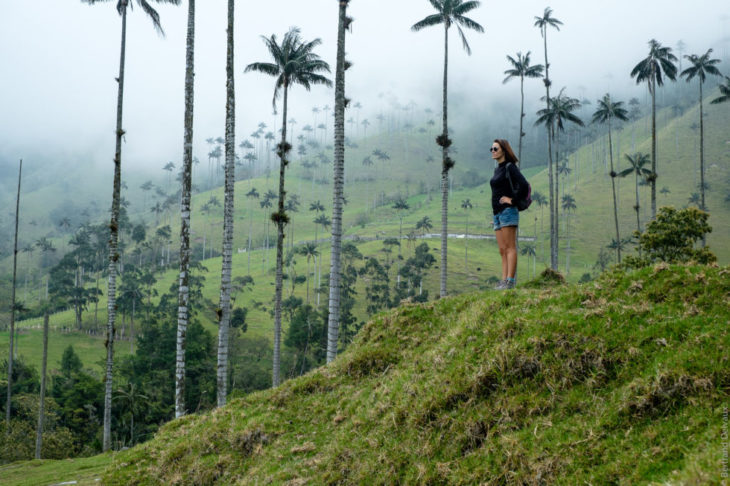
(59, 60)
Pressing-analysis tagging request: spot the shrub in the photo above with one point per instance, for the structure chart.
(672, 237)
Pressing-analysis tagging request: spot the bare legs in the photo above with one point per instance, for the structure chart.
(507, 243)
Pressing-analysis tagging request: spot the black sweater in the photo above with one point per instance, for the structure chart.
(500, 185)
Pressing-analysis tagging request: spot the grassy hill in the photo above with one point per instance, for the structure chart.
(621, 380)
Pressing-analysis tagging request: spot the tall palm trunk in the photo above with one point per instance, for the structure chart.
(445, 167)
(551, 190)
(184, 290)
(553, 203)
(333, 325)
(702, 157)
(613, 187)
(12, 305)
(77, 304)
(250, 233)
(42, 405)
(113, 242)
(225, 302)
(652, 89)
(280, 223)
(567, 250)
(308, 271)
(556, 175)
(466, 243)
(638, 221)
(522, 116)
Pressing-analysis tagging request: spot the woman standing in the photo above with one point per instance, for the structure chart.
(508, 184)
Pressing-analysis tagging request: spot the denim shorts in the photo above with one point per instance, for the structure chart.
(508, 217)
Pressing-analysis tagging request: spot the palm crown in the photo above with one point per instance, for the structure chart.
(608, 109)
(144, 5)
(452, 12)
(521, 68)
(660, 60)
(294, 62)
(701, 67)
(560, 109)
(547, 20)
(637, 162)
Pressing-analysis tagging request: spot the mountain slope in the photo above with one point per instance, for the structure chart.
(621, 380)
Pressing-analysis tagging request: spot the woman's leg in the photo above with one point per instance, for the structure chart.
(502, 244)
(509, 236)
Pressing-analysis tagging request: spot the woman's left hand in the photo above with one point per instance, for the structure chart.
(505, 200)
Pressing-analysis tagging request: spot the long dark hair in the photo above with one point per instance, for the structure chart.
(509, 155)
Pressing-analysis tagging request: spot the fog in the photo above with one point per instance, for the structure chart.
(59, 61)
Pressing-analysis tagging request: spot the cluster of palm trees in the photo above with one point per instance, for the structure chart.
(294, 62)
(561, 109)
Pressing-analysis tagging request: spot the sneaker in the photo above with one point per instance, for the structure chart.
(502, 285)
(510, 284)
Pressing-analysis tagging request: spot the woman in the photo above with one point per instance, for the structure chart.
(506, 215)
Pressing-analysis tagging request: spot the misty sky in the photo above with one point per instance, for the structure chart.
(59, 60)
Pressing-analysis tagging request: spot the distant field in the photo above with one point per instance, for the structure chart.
(90, 349)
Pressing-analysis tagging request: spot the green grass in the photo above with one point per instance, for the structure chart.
(622, 380)
(85, 471)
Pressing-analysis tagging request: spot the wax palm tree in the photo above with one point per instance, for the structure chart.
(251, 195)
(725, 92)
(266, 205)
(449, 12)
(700, 68)
(292, 206)
(333, 323)
(547, 20)
(424, 224)
(228, 208)
(133, 401)
(187, 172)
(400, 206)
(121, 6)
(169, 167)
(309, 250)
(521, 69)
(42, 403)
(367, 162)
(637, 162)
(608, 110)
(11, 349)
(466, 206)
(652, 70)
(539, 199)
(568, 205)
(294, 62)
(528, 249)
(619, 244)
(559, 111)
(317, 207)
(323, 221)
(564, 171)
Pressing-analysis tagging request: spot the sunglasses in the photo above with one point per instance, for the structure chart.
(494, 149)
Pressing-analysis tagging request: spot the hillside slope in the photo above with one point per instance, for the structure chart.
(620, 380)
